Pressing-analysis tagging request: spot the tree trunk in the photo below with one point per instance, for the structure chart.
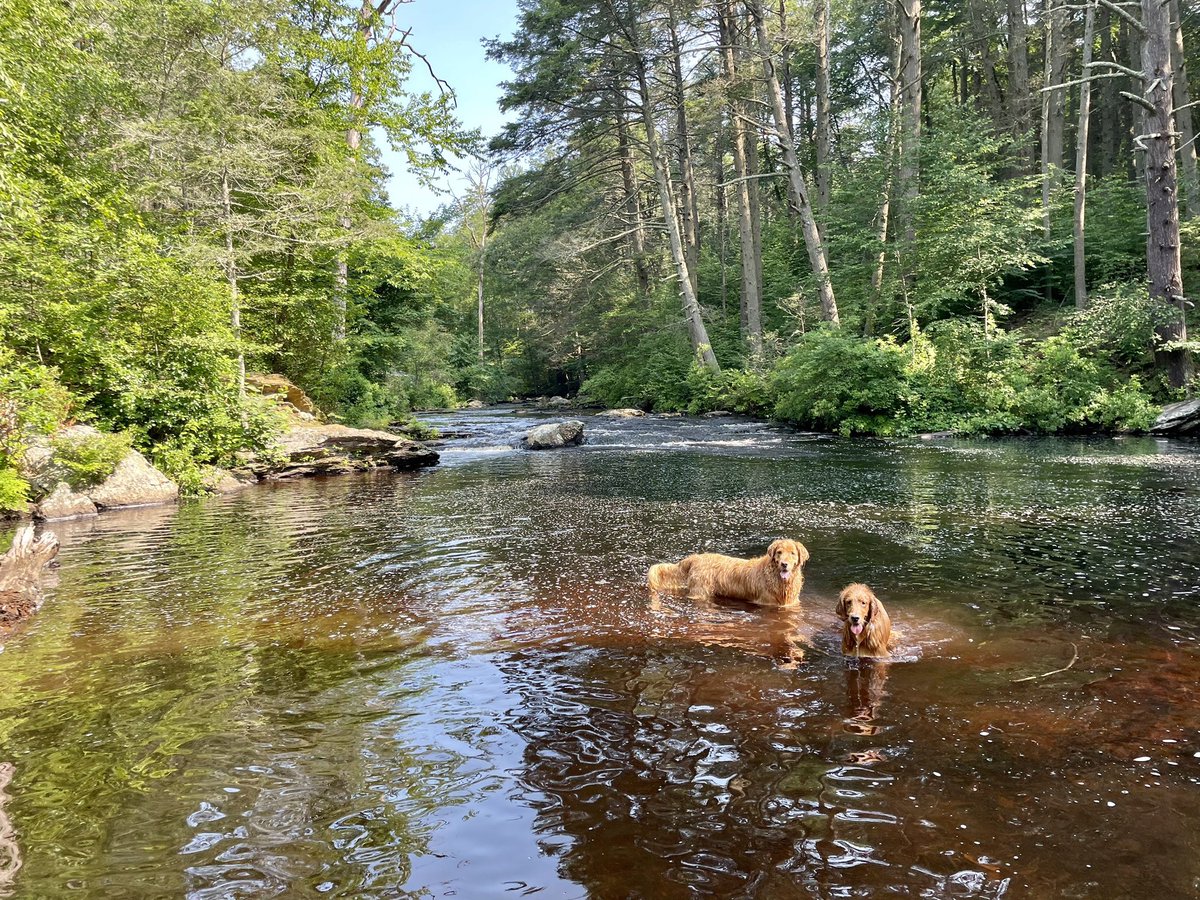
(231, 276)
(482, 266)
(1081, 157)
(1183, 116)
(721, 202)
(822, 26)
(984, 20)
(747, 186)
(910, 124)
(689, 206)
(1162, 205)
(785, 73)
(1018, 79)
(1053, 107)
(800, 193)
(885, 205)
(697, 333)
(1110, 103)
(633, 203)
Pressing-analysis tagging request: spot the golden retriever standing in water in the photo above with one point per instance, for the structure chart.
(866, 628)
(774, 579)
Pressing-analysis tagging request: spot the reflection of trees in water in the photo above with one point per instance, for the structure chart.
(679, 770)
(10, 850)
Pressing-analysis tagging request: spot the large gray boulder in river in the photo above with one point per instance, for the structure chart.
(335, 449)
(1178, 418)
(553, 436)
(623, 413)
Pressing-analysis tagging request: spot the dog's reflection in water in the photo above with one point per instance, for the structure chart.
(866, 687)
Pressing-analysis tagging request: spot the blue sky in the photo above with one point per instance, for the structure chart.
(449, 32)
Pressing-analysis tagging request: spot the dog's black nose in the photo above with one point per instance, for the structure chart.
(854, 620)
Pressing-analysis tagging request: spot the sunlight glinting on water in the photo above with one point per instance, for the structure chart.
(455, 681)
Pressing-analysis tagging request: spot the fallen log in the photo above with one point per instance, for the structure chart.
(21, 575)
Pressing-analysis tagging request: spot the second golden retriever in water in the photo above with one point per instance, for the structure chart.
(773, 579)
(866, 628)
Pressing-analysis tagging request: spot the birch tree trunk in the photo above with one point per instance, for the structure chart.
(1081, 158)
(1183, 116)
(697, 333)
(746, 187)
(800, 192)
(1162, 204)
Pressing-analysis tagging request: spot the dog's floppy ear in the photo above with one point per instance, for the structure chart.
(874, 608)
(879, 615)
(774, 548)
(841, 607)
(802, 551)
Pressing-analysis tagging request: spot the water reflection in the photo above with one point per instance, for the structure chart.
(454, 681)
(10, 849)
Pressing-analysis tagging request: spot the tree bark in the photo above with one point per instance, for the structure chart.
(633, 202)
(482, 269)
(910, 125)
(697, 333)
(231, 277)
(1053, 107)
(1018, 79)
(983, 20)
(746, 188)
(1081, 158)
(689, 206)
(800, 192)
(1162, 204)
(824, 112)
(885, 204)
(1183, 116)
(1110, 103)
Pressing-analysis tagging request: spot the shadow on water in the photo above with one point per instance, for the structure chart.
(454, 682)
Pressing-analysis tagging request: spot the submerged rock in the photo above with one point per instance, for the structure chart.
(624, 413)
(717, 414)
(474, 404)
(1178, 418)
(337, 449)
(553, 436)
(554, 401)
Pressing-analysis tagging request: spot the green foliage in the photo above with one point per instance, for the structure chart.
(834, 380)
(14, 491)
(89, 460)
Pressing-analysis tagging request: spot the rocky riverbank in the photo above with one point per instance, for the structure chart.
(71, 479)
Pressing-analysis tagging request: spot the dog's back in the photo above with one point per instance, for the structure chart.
(669, 576)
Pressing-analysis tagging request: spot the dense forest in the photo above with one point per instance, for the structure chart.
(860, 216)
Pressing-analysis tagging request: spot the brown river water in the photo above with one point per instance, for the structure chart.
(454, 683)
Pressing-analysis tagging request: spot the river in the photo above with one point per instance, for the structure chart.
(453, 682)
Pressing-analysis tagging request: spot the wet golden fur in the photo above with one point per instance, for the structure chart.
(858, 604)
(705, 576)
